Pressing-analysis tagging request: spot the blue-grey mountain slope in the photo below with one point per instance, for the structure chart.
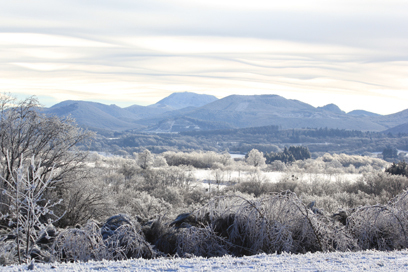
(391, 120)
(403, 128)
(99, 116)
(362, 113)
(235, 111)
(262, 110)
(95, 115)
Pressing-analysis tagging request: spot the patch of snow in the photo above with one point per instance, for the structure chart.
(335, 261)
(205, 175)
(237, 156)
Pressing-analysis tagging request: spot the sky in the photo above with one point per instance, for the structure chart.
(353, 53)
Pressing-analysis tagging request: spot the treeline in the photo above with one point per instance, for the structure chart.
(265, 139)
(400, 168)
(288, 155)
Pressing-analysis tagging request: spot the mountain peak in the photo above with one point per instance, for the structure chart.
(332, 108)
(184, 100)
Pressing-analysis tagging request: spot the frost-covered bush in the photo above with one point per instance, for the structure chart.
(84, 199)
(381, 227)
(379, 183)
(340, 163)
(124, 241)
(170, 195)
(142, 204)
(200, 241)
(197, 159)
(275, 223)
(277, 166)
(8, 252)
(332, 203)
(377, 227)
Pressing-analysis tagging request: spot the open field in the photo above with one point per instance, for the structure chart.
(337, 261)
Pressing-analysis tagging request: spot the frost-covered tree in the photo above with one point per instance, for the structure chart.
(28, 208)
(390, 153)
(25, 132)
(255, 158)
(145, 159)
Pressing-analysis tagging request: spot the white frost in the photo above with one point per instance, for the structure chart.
(338, 261)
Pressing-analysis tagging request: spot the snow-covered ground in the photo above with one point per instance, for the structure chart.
(359, 261)
(205, 175)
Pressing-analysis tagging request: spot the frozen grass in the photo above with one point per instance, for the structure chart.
(336, 261)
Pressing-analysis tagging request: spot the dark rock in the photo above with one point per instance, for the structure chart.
(47, 236)
(113, 223)
(35, 253)
(314, 209)
(222, 225)
(341, 217)
(10, 237)
(31, 265)
(184, 219)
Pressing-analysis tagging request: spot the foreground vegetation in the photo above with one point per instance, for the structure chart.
(161, 209)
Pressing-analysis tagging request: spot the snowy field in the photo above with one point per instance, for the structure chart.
(205, 175)
(368, 261)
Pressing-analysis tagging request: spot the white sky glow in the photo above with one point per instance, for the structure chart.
(351, 53)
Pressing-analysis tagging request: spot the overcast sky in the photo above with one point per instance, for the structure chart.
(124, 52)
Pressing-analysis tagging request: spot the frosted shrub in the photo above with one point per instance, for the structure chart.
(127, 242)
(84, 199)
(275, 223)
(159, 161)
(136, 203)
(379, 183)
(88, 243)
(378, 227)
(200, 242)
(83, 245)
(197, 159)
(8, 252)
(277, 166)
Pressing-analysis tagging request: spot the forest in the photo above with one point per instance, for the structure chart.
(67, 197)
(265, 139)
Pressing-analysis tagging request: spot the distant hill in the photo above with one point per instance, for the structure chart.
(95, 115)
(190, 112)
(403, 128)
(263, 110)
(177, 101)
(142, 112)
(362, 113)
(391, 120)
(99, 116)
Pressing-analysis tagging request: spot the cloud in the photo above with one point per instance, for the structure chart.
(138, 52)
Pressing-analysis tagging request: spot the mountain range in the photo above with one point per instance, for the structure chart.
(190, 111)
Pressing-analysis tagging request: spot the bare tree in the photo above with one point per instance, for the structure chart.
(26, 192)
(26, 132)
